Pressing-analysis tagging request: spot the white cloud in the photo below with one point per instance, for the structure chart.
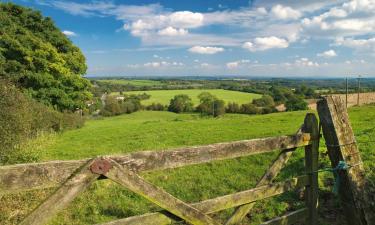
(186, 19)
(265, 43)
(170, 31)
(69, 33)
(285, 12)
(238, 63)
(327, 54)
(152, 64)
(305, 62)
(232, 65)
(206, 50)
(358, 44)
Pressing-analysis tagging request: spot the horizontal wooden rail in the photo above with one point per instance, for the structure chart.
(51, 174)
(219, 203)
(289, 218)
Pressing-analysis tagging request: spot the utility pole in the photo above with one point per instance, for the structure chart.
(346, 97)
(359, 88)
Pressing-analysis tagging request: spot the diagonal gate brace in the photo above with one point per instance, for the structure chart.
(158, 196)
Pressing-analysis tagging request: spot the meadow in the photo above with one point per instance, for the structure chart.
(164, 96)
(147, 130)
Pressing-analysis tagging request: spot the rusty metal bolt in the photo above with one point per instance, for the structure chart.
(100, 166)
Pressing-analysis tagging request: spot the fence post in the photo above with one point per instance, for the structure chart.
(311, 163)
(354, 190)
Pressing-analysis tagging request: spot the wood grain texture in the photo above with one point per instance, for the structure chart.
(65, 194)
(311, 166)
(21, 177)
(357, 196)
(219, 203)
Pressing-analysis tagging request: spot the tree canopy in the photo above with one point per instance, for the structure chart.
(40, 59)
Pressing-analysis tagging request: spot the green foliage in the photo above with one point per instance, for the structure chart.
(219, 108)
(264, 101)
(206, 105)
(36, 56)
(156, 107)
(22, 119)
(114, 106)
(295, 103)
(164, 96)
(233, 107)
(249, 109)
(180, 103)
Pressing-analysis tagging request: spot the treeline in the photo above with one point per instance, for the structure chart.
(208, 104)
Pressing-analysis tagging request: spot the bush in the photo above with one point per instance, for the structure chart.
(180, 103)
(206, 105)
(233, 107)
(219, 108)
(22, 119)
(267, 110)
(112, 107)
(156, 107)
(264, 101)
(295, 103)
(249, 109)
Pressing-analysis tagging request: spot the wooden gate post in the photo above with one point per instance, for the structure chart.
(311, 163)
(354, 191)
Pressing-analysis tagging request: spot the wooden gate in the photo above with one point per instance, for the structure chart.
(73, 177)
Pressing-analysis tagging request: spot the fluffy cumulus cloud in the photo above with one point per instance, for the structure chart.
(285, 12)
(163, 64)
(170, 31)
(265, 43)
(69, 33)
(206, 50)
(357, 44)
(305, 62)
(351, 18)
(327, 54)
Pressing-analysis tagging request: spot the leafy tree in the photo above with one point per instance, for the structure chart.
(206, 105)
(180, 103)
(233, 108)
(264, 101)
(249, 109)
(295, 103)
(219, 108)
(39, 58)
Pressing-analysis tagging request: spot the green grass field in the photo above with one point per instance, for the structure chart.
(147, 130)
(164, 96)
(138, 83)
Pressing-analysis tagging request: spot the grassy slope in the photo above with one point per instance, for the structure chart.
(157, 130)
(140, 83)
(164, 96)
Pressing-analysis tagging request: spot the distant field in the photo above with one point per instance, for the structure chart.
(164, 96)
(147, 130)
(133, 82)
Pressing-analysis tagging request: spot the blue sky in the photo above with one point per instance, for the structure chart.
(266, 38)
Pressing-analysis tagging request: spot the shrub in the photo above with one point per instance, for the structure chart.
(180, 103)
(233, 107)
(206, 105)
(111, 107)
(219, 108)
(264, 101)
(295, 103)
(249, 109)
(156, 107)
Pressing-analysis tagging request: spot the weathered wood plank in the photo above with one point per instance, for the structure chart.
(137, 184)
(76, 184)
(311, 166)
(289, 218)
(270, 174)
(356, 194)
(50, 174)
(220, 203)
